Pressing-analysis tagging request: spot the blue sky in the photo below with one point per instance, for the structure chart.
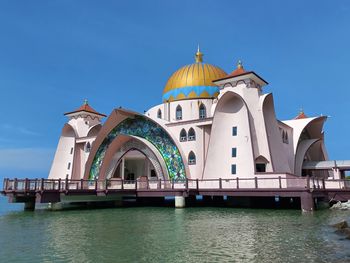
(53, 54)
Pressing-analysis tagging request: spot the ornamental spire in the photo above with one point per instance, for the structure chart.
(239, 64)
(86, 102)
(199, 56)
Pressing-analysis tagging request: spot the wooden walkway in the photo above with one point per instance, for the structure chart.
(52, 191)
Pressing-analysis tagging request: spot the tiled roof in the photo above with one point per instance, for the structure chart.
(86, 107)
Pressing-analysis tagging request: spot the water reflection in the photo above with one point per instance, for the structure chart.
(172, 235)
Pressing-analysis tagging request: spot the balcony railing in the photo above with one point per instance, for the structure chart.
(255, 183)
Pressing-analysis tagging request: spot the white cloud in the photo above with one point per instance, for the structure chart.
(26, 159)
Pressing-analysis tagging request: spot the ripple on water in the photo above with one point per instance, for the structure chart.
(169, 235)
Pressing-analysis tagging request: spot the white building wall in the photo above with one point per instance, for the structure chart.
(190, 109)
(231, 111)
(252, 98)
(196, 170)
(71, 147)
(63, 156)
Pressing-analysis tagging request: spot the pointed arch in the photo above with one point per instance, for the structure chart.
(183, 135)
(178, 115)
(94, 130)
(191, 134)
(68, 131)
(202, 111)
(122, 122)
(191, 158)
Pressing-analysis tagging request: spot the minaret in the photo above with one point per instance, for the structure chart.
(83, 118)
(240, 74)
(75, 142)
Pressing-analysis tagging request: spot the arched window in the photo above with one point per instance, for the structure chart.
(191, 134)
(202, 111)
(178, 112)
(260, 164)
(285, 137)
(159, 114)
(87, 147)
(191, 158)
(183, 135)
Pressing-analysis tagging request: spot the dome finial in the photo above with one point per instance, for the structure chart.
(199, 56)
(239, 64)
(86, 102)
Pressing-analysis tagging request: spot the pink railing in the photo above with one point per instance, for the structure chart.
(188, 184)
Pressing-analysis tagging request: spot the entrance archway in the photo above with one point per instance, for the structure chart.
(142, 128)
(133, 165)
(135, 149)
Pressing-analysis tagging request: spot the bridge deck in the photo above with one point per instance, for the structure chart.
(49, 191)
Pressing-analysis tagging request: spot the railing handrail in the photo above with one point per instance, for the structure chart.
(220, 183)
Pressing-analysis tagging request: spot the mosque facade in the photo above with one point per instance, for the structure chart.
(209, 125)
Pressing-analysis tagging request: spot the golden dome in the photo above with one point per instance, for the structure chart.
(193, 81)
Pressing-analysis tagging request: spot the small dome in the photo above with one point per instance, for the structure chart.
(193, 81)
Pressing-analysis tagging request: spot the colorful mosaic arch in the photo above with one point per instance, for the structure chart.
(152, 132)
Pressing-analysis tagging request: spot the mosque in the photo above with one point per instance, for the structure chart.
(209, 125)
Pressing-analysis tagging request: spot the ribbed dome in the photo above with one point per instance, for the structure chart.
(193, 81)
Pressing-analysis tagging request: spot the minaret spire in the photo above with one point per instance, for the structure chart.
(199, 56)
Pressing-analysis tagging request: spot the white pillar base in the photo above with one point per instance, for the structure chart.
(180, 202)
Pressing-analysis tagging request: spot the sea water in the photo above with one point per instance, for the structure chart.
(166, 234)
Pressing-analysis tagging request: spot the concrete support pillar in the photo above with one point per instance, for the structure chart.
(180, 202)
(307, 202)
(29, 206)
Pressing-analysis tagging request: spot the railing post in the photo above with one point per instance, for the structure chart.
(15, 184)
(81, 184)
(59, 184)
(172, 184)
(135, 184)
(42, 184)
(308, 182)
(313, 182)
(323, 184)
(186, 184)
(26, 184)
(197, 184)
(220, 183)
(122, 186)
(280, 181)
(147, 183)
(159, 183)
(96, 184)
(237, 182)
(106, 184)
(256, 181)
(66, 184)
